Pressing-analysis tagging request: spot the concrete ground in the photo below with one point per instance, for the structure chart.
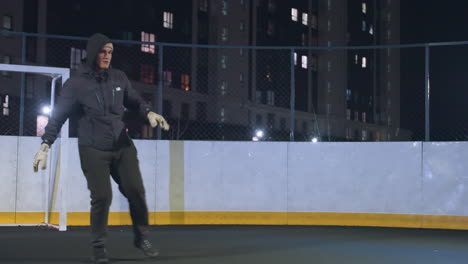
(242, 244)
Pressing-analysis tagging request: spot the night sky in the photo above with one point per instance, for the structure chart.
(435, 21)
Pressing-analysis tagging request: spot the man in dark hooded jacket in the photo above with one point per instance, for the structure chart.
(99, 94)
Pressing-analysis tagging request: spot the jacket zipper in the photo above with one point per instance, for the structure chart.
(97, 97)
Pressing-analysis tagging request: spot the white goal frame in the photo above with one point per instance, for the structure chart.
(56, 172)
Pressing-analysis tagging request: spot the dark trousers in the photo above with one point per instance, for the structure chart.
(122, 165)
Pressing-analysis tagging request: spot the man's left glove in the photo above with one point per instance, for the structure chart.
(41, 158)
(156, 120)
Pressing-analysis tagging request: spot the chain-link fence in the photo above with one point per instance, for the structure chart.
(392, 93)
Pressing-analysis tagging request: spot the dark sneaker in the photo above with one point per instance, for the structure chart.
(147, 248)
(100, 255)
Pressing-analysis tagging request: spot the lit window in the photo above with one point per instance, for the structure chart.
(7, 23)
(185, 82)
(329, 25)
(242, 26)
(270, 97)
(348, 114)
(76, 56)
(147, 37)
(371, 30)
(295, 58)
(6, 109)
(363, 25)
(329, 4)
(6, 60)
(224, 9)
(294, 14)
(167, 78)
(364, 135)
(305, 19)
(168, 20)
(329, 90)
(356, 59)
(147, 73)
(241, 52)
(364, 8)
(224, 34)
(222, 114)
(364, 115)
(364, 62)
(223, 62)
(304, 62)
(348, 94)
(223, 87)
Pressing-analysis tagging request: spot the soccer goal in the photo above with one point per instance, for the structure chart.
(53, 189)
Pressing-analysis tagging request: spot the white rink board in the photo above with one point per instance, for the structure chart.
(383, 177)
(355, 177)
(30, 196)
(8, 170)
(235, 176)
(445, 178)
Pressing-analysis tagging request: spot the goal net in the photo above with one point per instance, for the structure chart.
(28, 198)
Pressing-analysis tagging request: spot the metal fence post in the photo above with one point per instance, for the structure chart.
(23, 85)
(158, 100)
(293, 97)
(427, 95)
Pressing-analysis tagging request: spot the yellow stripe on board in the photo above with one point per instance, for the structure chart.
(7, 218)
(256, 218)
(29, 217)
(355, 219)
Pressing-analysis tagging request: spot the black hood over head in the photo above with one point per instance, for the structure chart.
(95, 43)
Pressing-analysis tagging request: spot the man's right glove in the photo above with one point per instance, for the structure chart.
(41, 158)
(156, 120)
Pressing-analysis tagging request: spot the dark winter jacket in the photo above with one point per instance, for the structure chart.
(99, 100)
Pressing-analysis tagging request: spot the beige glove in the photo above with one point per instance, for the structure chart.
(41, 158)
(156, 120)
